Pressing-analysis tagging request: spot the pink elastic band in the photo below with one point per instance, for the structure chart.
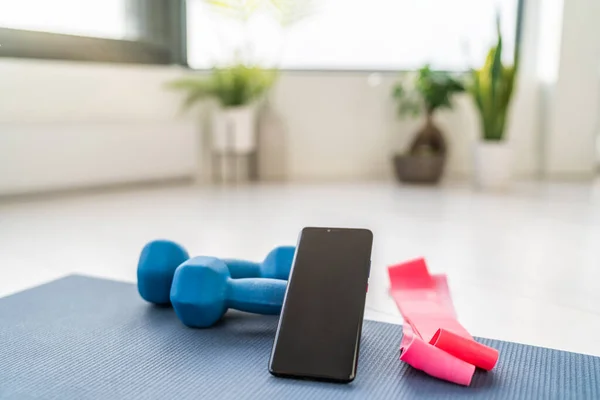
(434, 341)
(468, 350)
(437, 362)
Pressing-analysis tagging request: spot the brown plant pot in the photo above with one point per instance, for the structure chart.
(426, 157)
(419, 168)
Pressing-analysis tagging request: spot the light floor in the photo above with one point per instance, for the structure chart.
(522, 267)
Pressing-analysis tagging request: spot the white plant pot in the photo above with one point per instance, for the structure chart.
(493, 163)
(234, 130)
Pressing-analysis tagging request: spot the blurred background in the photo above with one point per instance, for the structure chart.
(86, 84)
(466, 131)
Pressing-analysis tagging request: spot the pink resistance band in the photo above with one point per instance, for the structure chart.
(434, 341)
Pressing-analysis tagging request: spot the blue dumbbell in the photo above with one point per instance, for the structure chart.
(159, 259)
(203, 290)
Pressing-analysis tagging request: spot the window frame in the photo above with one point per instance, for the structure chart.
(164, 22)
(165, 19)
(518, 42)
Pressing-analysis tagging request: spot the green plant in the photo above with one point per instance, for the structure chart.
(244, 81)
(428, 91)
(492, 87)
(233, 86)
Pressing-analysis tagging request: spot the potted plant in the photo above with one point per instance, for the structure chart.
(245, 80)
(237, 89)
(492, 87)
(426, 93)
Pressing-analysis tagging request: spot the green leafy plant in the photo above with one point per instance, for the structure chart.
(427, 92)
(233, 86)
(244, 81)
(492, 87)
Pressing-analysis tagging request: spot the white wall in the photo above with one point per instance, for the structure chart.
(79, 124)
(65, 125)
(338, 126)
(574, 109)
(40, 156)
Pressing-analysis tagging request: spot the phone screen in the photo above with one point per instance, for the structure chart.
(321, 320)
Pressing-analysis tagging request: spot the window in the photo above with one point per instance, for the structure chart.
(106, 19)
(139, 31)
(355, 35)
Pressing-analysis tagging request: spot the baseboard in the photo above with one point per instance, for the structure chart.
(121, 187)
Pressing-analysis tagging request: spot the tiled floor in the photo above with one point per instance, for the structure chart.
(523, 266)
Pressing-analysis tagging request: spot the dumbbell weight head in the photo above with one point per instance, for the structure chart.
(157, 264)
(278, 262)
(277, 265)
(203, 290)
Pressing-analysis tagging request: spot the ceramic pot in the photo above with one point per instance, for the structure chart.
(492, 165)
(426, 158)
(419, 168)
(234, 130)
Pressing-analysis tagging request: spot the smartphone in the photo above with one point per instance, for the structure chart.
(318, 335)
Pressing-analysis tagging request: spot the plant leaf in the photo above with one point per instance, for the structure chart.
(492, 88)
(231, 86)
(431, 90)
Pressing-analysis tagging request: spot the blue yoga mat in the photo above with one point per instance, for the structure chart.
(85, 338)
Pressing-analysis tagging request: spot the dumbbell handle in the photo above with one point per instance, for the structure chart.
(242, 268)
(256, 295)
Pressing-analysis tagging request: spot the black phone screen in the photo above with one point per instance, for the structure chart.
(321, 320)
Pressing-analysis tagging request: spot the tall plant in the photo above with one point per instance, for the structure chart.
(492, 88)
